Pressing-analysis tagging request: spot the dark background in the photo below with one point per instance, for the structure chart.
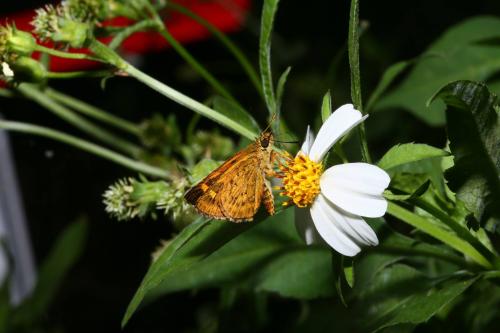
(59, 183)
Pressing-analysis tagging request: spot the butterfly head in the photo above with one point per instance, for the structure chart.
(266, 140)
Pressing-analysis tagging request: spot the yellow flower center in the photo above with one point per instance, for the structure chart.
(300, 180)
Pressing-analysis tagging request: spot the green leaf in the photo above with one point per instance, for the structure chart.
(402, 295)
(407, 153)
(481, 311)
(267, 19)
(235, 112)
(202, 169)
(326, 106)
(388, 77)
(279, 98)
(269, 257)
(414, 193)
(195, 242)
(456, 56)
(348, 264)
(236, 259)
(63, 255)
(474, 134)
(394, 247)
(301, 273)
(281, 88)
(447, 237)
(410, 176)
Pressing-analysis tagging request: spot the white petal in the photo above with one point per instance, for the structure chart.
(6, 70)
(362, 177)
(356, 188)
(305, 226)
(338, 124)
(355, 227)
(306, 146)
(326, 221)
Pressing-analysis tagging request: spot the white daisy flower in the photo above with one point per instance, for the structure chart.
(331, 203)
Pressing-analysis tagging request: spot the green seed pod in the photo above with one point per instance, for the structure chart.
(28, 70)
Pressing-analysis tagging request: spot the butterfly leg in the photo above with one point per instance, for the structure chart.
(269, 171)
(268, 198)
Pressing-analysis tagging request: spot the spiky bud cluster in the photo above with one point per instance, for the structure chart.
(130, 198)
(70, 22)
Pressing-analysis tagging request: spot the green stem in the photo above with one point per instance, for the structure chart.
(231, 47)
(194, 63)
(81, 123)
(93, 111)
(62, 54)
(340, 152)
(84, 145)
(106, 54)
(114, 59)
(78, 74)
(440, 234)
(128, 31)
(162, 29)
(460, 230)
(190, 103)
(353, 50)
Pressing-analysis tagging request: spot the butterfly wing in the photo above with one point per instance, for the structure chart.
(241, 196)
(232, 191)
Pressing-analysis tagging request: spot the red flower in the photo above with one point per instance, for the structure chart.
(226, 15)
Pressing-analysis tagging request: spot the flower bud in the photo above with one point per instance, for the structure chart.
(64, 23)
(16, 42)
(72, 32)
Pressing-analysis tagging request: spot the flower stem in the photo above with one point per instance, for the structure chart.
(218, 87)
(84, 145)
(441, 234)
(78, 74)
(106, 54)
(353, 50)
(93, 111)
(231, 47)
(83, 124)
(128, 31)
(114, 59)
(190, 103)
(62, 54)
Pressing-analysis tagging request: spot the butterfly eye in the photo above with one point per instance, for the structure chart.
(264, 142)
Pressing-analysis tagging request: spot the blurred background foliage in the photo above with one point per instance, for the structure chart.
(60, 183)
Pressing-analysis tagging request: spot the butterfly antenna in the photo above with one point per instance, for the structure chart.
(296, 142)
(273, 118)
